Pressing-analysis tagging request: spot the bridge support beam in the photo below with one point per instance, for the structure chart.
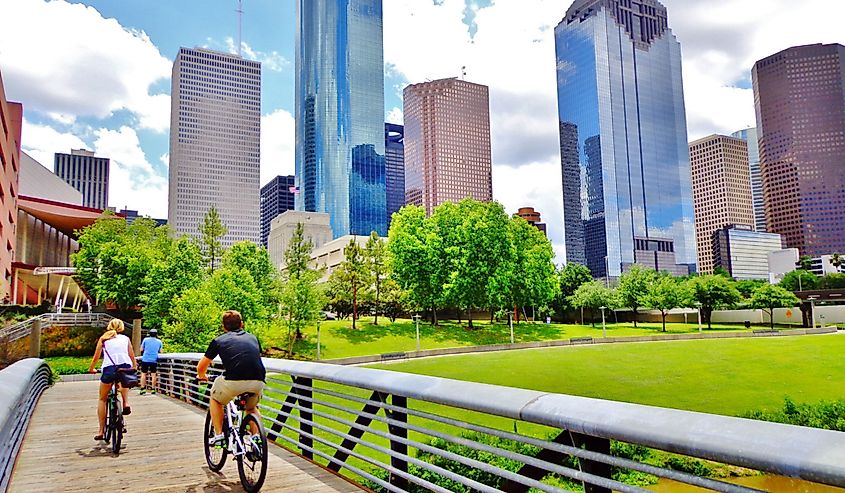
(35, 339)
(136, 335)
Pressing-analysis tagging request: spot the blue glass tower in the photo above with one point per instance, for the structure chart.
(340, 166)
(624, 154)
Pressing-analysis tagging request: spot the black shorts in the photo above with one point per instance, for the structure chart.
(110, 373)
(148, 367)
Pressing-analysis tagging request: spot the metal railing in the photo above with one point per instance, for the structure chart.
(22, 329)
(21, 384)
(391, 430)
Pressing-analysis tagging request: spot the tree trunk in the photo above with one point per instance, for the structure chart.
(635, 317)
(434, 316)
(524, 315)
(354, 306)
(663, 314)
(593, 318)
(772, 318)
(469, 317)
(706, 315)
(377, 303)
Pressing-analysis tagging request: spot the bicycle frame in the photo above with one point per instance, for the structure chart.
(233, 418)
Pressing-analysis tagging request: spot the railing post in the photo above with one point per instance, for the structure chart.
(305, 441)
(395, 445)
(35, 339)
(594, 444)
(136, 335)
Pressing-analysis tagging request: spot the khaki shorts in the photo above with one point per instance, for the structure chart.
(223, 390)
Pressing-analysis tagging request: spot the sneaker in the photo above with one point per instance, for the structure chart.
(127, 411)
(153, 392)
(218, 441)
(143, 391)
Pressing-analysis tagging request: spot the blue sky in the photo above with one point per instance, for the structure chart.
(96, 74)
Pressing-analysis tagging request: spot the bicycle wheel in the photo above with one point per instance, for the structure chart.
(215, 457)
(252, 465)
(116, 425)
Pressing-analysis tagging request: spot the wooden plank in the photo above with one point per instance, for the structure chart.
(162, 451)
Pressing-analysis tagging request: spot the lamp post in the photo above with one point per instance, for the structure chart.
(698, 309)
(812, 300)
(603, 327)
(416, 318)
(318, 339)
(510, 324)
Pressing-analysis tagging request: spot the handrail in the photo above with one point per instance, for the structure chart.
(588, 427)
(22, 329)
(21, 384)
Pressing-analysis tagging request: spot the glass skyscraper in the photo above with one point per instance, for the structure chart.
(750, 136)
(394, 162)
(624, 155)
(340, 166)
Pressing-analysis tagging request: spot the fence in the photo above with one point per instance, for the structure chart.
(21, 384)
(395, 431)
(22, 329)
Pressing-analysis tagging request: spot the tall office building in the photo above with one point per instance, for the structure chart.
(744, 253)
(799, 96)
(623, 138)
(340, 114)
(11, 115)
(721, 191)
(394, 163)
(749, 135)
(277, 196)
(215, 127)
(447, 143)
(87, 173)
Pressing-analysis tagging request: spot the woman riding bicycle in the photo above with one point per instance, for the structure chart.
(118, 354)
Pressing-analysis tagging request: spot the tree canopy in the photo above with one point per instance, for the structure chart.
(633, 287)
(768, 297)
(712, 292)
(211, 230)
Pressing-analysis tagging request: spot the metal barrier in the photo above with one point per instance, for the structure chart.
(22, 329)
(21, 384)
(432, 432)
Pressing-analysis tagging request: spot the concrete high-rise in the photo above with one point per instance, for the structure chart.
(623, 138)
(215, 128)
(799, 97)
(10, 149)
(721, 191)
(340, 114)
(749, 135)
(447, 143)
(87, 173)
(394, 163)
(277, 196)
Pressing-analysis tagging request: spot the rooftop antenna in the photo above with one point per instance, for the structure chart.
(240, 12)
(463, 72)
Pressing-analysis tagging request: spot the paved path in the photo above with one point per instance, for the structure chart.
(162, 451)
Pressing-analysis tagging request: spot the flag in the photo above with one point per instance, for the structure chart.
(293, 189)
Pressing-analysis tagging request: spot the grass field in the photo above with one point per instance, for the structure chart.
(339, 340)
(722, 376)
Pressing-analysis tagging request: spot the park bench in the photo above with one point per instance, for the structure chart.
(581, 340)
(390, 356)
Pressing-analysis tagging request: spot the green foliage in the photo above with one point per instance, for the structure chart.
(664, 294)
(375, 258)
(114, 258)
(301, 299)
(836, 260)
(832, 281)
(394, 299)
(805, 262)
(594, 295)
(212, 229)
(689, 465)
(746, 287)
(799, 280)
(827, 415)
(179, 269)
(712, 292)
(570, 277)
(69, 365)
(233, 289)
(69, 341)
(254, 260)
(634, 286)
(768, 297)
(534, 281)
(721, 271)
(197, 322)
(351, 275)
(298, 253)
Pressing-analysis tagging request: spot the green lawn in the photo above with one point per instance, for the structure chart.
(339, 340)
(69, 365)
(723, 376)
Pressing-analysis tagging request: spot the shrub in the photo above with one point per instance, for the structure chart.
(825, 415)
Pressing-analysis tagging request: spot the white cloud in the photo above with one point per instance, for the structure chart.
(133, 182)
(395, 115)
(72, 62)
(41, 142)
(277, 145)
(270, 61)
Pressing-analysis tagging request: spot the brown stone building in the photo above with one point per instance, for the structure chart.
(799, 96)
(447, 143)
(721, 190)
(10, 146)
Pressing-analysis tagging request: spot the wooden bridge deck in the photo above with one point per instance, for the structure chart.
(162, 451)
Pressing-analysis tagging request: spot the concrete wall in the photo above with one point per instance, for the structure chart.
(824, 315)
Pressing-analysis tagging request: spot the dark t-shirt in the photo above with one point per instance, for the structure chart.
(241, 355)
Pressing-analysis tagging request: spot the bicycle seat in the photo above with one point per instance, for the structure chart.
(240, 400)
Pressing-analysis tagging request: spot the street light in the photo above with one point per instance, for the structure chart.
(416, 318)
(603, 327)
(318, 339)
(812, 300)
(698, 309)
(510, 324)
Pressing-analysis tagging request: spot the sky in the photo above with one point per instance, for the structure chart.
(95, 74)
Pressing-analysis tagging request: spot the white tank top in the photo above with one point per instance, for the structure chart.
(118, 351)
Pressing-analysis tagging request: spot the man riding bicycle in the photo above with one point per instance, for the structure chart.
(243, 371)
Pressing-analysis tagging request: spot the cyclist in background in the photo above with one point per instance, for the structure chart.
(243, 371)
(150, 347)
(118, 354)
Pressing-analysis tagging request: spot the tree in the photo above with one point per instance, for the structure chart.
(593, 295)
(254, 260)
(298, 253)
(746, 287)
(570, 278)
(633, 287)
(832, 281)
(375, 256)
(394, 299)
(768, 297)
(534, 279)
(352, 274)
(195, 320)
(233, 289)
(301, 299)
(212, 229)
(711, 292)
(805, 262)
(181, 268)
(836, 261)
(664, 294)
(799, 280)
